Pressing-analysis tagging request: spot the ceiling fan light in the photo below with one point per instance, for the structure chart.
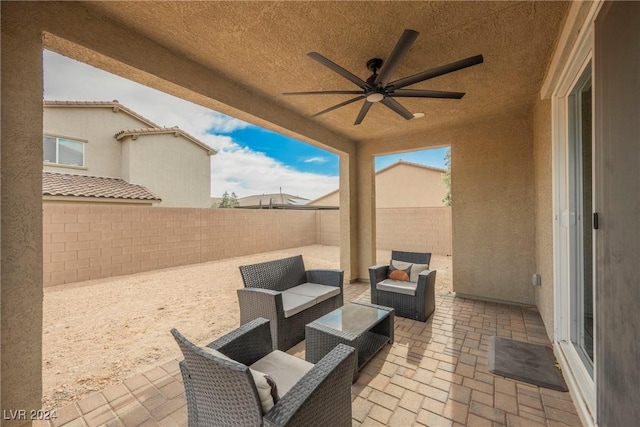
(375, 97)
(418, 115)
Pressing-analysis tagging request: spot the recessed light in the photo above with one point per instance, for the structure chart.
(418, 115)
(375, 97)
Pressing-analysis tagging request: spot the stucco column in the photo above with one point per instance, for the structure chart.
(21, 213)
(357, 214)
(366, 225)
(348, 217)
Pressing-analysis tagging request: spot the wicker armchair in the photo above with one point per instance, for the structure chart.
(289, 296)
(222, 392)
(415, 300)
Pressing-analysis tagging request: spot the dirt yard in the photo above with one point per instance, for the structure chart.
(100, 332)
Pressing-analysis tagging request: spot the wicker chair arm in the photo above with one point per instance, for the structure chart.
(257, 302)
(378, 273)
(426, 276)
(246, 344)
(322, 397)
(326, 277)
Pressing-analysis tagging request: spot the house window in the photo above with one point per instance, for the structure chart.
(63, 151)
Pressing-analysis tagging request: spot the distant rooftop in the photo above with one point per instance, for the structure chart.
(404, 162)
(393, 165)
(274, 200)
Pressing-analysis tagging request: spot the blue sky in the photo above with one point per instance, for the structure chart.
(250, 160)
(288, 151)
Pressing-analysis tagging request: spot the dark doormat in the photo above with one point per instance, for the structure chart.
(531, 363)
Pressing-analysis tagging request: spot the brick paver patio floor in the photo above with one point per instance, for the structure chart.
(435, 374)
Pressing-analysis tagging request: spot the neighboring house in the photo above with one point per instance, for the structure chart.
(401, 185)
(124, 157)
(272, 201)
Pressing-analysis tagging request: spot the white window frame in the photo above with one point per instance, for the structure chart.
(58, 138)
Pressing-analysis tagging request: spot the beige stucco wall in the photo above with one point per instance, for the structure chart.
(97, 126)
(493, 209)
(409, 186)
(84, 242)
(330, 199)
(175, 169)
(21, 226)
(401, 186)
(543, 211)
(492, 191)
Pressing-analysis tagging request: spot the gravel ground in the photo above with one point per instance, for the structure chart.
(101, 332)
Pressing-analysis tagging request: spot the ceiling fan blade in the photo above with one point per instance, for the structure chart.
(416, 93)
(326, 92)
(395, 106)
(398, 52)
(435, 72)
(342, 104)
(363, 112)
(338, 69)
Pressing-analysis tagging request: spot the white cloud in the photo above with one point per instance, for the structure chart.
(248, 172)
(316, 160)
(234, 168)
(224, 124)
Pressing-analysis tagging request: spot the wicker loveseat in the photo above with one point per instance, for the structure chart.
(222, 382)
(411, 299)
(289, 296)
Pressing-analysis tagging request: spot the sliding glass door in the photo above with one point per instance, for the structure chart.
(581, 244)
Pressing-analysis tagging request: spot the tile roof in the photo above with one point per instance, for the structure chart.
(134, 133)
(59, 184)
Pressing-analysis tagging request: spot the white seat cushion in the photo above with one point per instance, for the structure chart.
(315, 290)
(268, 393)
(294, 303)
(285, 369)
(398, 286)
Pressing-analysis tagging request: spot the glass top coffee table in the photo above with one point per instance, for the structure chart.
(365, 327)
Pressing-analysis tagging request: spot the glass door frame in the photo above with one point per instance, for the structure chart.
(581, 380)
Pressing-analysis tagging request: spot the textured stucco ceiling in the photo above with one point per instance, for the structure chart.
(263, 45)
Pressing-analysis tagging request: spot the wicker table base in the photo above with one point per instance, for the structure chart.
(363, 326)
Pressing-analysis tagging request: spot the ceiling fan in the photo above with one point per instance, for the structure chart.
(377, 87)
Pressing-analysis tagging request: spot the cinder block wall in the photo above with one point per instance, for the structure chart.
(411, 229)
(84, 242)
(329, 227)
(414, 229)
